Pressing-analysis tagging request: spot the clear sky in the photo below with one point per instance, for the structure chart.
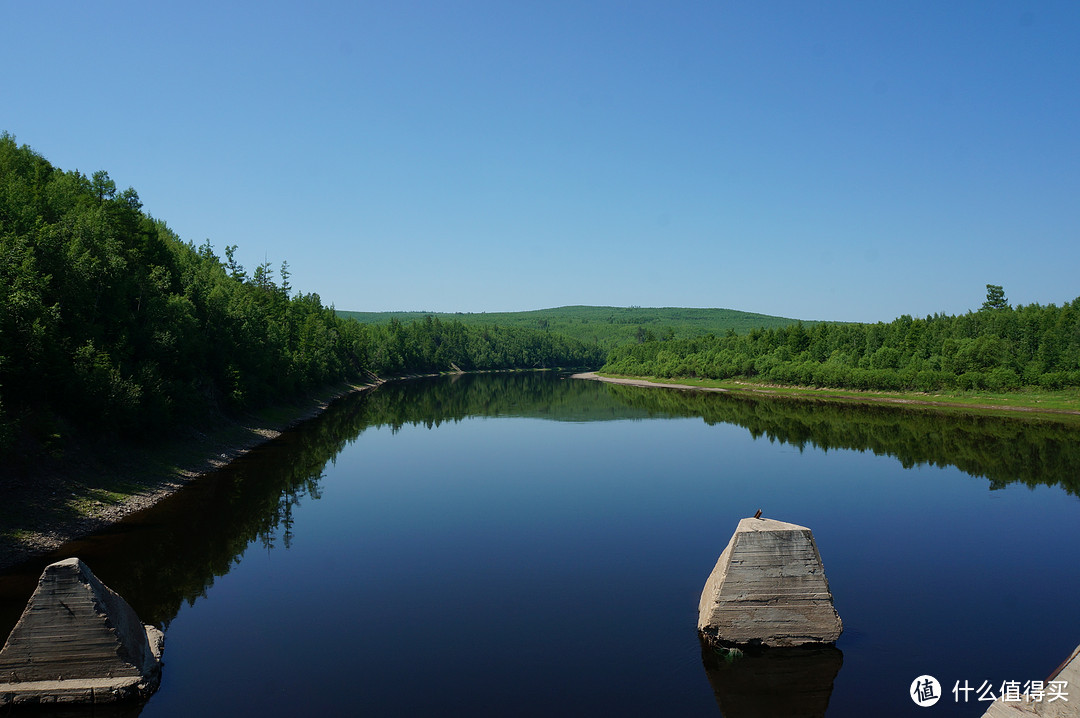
(821, 160)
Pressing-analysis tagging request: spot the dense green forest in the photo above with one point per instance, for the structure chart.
(110, 324)
(997, 348)
(606, 326)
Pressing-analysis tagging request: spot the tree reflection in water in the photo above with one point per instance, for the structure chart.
(172, 553)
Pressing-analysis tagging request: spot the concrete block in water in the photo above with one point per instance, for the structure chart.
(78, 642)
(1061, 700)
(768, 588)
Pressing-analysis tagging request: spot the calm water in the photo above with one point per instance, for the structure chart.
(535, 545)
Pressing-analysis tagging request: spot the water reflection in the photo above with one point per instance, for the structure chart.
(1027, 449)
(171, 554)
(774, 683)
(1033, 450)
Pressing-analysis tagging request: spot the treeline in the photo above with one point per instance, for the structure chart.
(998, 348)
(432, 345)
(109, 323)
(606, 326)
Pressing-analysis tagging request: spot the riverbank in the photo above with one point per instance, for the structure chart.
(1058, 405)
(97, 486)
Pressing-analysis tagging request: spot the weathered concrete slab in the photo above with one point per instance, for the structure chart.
(768, 588)
(1060, 701)
(78, 641)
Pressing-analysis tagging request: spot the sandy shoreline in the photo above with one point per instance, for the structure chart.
(591, 375)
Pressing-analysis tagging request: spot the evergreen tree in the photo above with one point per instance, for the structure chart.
(995, 298)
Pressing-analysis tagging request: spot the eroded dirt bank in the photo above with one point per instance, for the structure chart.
(74, 498)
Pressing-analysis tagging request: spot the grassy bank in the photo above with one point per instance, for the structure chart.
(1062, 404)
(96, 483)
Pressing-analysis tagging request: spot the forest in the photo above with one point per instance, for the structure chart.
(997, 348)
(607, 327)
(111, 325)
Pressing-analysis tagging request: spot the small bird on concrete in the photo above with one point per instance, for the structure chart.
(758, 514)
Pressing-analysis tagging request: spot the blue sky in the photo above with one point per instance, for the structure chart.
(842, 160)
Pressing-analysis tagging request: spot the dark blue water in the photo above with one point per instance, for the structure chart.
(502, 546)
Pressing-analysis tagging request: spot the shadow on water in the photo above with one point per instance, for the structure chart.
(774, 683)
(106, 710)
(171, 554)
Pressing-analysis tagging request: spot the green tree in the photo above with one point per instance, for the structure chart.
(995, 298)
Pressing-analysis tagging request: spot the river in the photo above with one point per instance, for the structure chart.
(533, 545)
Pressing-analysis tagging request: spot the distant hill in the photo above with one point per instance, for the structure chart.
(606, 326)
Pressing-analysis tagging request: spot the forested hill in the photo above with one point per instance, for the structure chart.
(111, 325)
(997, 348)
(606, 326)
